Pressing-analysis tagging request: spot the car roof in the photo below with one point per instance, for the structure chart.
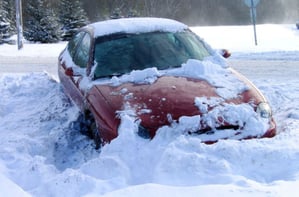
(135, 25)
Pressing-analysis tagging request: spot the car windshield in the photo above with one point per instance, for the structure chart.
(118, 54)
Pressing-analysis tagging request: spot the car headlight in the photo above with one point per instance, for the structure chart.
(264, 110)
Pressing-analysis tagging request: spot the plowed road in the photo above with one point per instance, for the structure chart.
(247, 67)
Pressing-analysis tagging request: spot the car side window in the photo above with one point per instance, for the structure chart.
(73, 43)
(82, 55)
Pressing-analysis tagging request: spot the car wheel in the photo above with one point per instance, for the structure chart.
(86, 124)
(80, 124)
(94, 132)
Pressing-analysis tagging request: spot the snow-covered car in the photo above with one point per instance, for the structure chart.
(297, 24)
(163, 75)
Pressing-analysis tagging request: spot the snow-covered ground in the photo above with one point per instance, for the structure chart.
(41, 156)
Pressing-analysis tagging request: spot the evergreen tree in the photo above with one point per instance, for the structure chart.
(11, 10)
(72, 17)
(4, 22)
(116, 14)
(41, 24)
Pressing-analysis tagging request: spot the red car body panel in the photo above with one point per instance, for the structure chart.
(104, 114)
(155, 102)
(152, 103)
(71, 85)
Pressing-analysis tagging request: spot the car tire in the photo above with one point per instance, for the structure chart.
(86, 124)
(83, 125)
(94, 132)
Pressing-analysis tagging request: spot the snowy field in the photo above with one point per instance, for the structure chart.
(41, 156)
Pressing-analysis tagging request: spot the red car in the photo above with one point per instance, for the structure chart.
(164, 73)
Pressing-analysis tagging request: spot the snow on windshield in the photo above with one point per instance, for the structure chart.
(213, 70)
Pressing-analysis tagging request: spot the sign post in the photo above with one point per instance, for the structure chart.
(252, 5)
(19, 22)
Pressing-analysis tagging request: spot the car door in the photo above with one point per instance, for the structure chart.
(73, 69)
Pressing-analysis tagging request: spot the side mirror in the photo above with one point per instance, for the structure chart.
(69, 72)
(225, 53)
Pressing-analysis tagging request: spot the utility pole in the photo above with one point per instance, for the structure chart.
(19, 22)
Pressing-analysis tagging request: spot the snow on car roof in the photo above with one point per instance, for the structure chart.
(136, 25)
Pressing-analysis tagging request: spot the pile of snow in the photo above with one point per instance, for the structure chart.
(30, 50)
(41, 155)
(133, 25)
(218, 75)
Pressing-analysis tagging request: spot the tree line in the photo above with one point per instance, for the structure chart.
(48, 21)
(43, 21)
(197, 12)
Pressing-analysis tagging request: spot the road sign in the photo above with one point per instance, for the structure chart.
(251, 3)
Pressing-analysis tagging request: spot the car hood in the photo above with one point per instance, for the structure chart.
(165, 93)
(168, 98)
